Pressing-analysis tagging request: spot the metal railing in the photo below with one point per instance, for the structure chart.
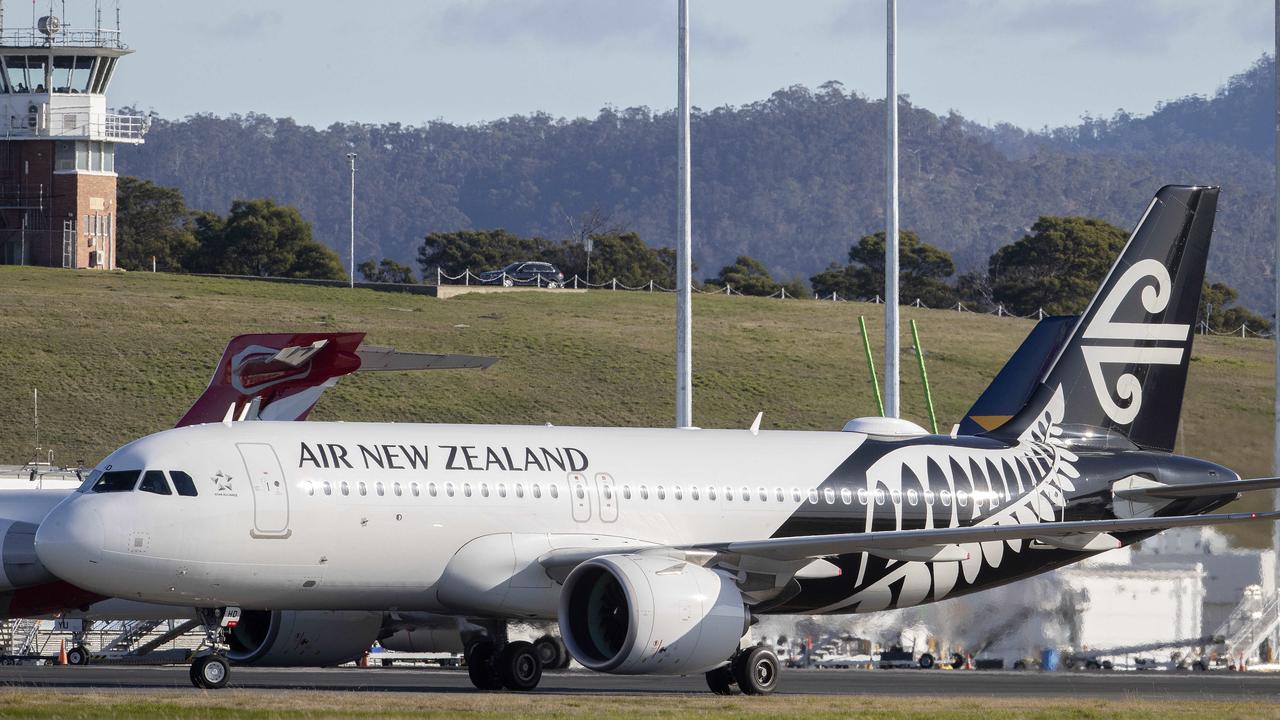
(31, 37)
(119, 126)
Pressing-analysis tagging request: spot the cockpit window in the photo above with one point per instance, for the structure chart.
(116, 481)
(153, 482)
(183, 482)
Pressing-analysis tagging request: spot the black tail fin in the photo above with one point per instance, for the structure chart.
(1124, 367)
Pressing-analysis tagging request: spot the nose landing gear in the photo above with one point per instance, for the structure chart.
(210, 669)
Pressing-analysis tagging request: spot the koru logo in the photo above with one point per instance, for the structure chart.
(1155, 298)
(222, 484)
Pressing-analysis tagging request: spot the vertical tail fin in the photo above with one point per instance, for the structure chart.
(1124, 366)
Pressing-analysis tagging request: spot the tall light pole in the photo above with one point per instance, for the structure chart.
(1275, 276)
(891, 215)
(684, 240)
(351, 160)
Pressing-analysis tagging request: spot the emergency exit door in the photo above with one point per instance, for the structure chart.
(270, 492)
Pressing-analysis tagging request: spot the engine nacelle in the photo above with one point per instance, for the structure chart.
(425, 640)
(313, 638)
(645, 614)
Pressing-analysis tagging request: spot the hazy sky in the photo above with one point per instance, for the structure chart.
(1029, 62)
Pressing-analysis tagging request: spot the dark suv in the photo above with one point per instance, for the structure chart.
(540, 274)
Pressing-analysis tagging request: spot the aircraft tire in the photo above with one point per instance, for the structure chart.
(520, 666)
(210, 672)
(482, 668)
(551, 651)
(926, 662)
(721, 680)
(78, 656)
(756, 671)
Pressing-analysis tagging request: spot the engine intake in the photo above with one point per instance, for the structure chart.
(646, 614)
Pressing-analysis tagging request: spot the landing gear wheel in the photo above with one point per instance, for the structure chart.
(78, 655)
(925, 662)
(721, 680)
(482, 668)
(210, 672)
(756, 671)
(520, 667)
(551, 651)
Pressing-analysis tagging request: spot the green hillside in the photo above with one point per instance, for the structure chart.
(119, 355)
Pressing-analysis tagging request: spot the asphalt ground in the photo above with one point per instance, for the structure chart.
(1152, 685)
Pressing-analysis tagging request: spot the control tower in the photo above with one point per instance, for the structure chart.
(57, 158)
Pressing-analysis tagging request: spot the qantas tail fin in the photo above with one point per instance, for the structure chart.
(1124, 366)
(280, 376)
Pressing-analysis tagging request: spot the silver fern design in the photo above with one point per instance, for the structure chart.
(1023, 483)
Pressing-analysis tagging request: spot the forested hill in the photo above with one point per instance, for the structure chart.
(792, 180)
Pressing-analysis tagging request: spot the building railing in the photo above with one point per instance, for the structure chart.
(126, 127)
(32, 38)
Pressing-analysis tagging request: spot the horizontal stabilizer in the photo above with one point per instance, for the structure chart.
(1177, 492)
(378, 358)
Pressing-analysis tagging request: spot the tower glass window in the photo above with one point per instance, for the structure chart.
(71, 74)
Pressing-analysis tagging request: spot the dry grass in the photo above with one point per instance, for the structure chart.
(120, 355)
(284, 704)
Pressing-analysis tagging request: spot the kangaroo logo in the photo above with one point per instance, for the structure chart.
(1155, 298)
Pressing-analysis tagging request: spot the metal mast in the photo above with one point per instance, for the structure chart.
(351, 158)
(891, 217)
(1275, 276)
(684, 240)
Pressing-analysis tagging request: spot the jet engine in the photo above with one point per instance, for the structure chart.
(315, 638)
(647, 614)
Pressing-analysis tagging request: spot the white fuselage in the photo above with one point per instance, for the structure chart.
(370, 515)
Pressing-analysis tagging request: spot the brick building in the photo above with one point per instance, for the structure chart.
(57, 158)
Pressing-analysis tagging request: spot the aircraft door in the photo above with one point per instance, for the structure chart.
(608, 497)
(270, 491)
(580, 496)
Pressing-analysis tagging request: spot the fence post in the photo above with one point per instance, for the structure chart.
(1242, 327)
(1000, 310)
(575, 281)
(784, 294)
(615, 283)
(650, 284)
(466, 276)
(728, 289)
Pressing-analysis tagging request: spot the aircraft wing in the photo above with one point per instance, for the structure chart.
(1073, 534)
(376, 357)
(1175, 492)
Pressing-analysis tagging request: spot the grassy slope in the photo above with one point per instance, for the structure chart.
(117, 355)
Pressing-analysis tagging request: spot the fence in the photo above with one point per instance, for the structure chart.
(468, 278)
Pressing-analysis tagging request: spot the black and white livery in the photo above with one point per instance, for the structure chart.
(654, 549)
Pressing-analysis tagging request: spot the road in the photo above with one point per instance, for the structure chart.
(1147, 685)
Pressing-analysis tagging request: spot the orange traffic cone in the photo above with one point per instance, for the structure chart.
(62, 653)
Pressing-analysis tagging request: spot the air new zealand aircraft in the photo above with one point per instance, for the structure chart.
(655, 549)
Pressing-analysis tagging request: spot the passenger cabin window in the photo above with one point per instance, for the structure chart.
(183, 482)
(116, 481)
(153, 482)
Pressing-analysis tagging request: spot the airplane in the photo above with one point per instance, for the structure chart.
(655, 549)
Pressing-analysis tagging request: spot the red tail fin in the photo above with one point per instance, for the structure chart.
(275, 376)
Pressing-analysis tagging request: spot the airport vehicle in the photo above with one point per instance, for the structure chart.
(655, 548)
(541, 274)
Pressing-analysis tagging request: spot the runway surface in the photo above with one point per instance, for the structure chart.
(1148, 685)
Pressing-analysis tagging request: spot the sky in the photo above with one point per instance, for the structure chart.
(1033, 63)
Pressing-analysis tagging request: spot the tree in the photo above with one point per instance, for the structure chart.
(1058, 267)
(1218, 309)
(262, 238)
(747, 276)
(626, 257)
(152, 221)
(476, 250)
(922, 271)
(387, 271)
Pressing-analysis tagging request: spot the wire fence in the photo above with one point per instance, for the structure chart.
(466, 277)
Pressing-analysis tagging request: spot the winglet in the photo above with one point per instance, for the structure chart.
(755, 425)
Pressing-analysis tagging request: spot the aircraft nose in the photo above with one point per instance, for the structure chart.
(69, 540)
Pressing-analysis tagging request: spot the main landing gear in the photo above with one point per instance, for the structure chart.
(516, 666)
(754, 671)
(210, 669)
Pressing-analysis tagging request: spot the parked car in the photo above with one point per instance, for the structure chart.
(540, 274)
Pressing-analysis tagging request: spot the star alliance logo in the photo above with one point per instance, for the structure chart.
(222, 484)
